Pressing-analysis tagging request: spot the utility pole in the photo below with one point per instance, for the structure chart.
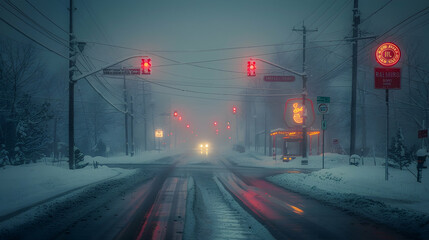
(132, 126)
(126, 115)
(304, 31)
(356, 21)
(144, 117)
(72, 62)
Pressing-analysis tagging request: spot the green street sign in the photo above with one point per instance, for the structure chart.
(321, 99)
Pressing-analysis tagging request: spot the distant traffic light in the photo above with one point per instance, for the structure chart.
(217, 131)
(188, 126)
(175, 114)
(234, 109)
(180, 118)
(146, 66)
(251, 68)
(215, 123)
(228, 127)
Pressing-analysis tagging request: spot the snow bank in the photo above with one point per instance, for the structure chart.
(22, 186)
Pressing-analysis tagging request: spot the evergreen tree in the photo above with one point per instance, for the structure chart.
(398, 155)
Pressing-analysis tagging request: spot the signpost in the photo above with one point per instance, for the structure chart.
(279, 78)
(323, 108)
(387, 55)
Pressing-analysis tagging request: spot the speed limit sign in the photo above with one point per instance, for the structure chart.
(323, 108)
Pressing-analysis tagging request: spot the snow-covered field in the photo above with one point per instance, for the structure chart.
(360, 189)
(25, 185)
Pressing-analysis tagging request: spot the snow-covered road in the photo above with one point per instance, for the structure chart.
(194, 197)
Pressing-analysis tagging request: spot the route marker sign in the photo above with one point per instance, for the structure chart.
(323, 108)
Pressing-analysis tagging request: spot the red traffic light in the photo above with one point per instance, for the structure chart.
(175, 114)
(180, 118)
(188, 126)
(228, 127)
(146, 66)
(234, 109)
(251, 68)
(215, 123)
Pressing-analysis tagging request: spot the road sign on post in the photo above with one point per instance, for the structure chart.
(387, 78)
(423, 133)
(323, 108)
(387, 55)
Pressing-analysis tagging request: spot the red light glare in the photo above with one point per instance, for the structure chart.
(180, 118)
(187, 126)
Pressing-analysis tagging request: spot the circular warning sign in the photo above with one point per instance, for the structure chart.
(388, 54)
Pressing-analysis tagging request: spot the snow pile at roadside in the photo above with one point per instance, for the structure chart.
(24, 185)
(400, 202)
(142, 158)
(254, 159)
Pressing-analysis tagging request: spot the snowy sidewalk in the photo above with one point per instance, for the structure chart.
(27, 185)
(401, 201)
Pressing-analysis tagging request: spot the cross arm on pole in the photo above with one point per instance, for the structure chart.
(106, 66)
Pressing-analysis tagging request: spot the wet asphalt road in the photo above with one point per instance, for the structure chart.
(184, 198)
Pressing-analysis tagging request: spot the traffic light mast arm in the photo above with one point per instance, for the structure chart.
(107, 66)
(278, 66)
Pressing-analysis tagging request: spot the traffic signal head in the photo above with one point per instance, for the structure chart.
(188, 126)
(215, 123)
(175, 114)
(146, 66)
(234, 109)
(180, 118)
(228, 127)
(251, 68)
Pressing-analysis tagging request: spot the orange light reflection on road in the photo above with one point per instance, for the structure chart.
(296, 209)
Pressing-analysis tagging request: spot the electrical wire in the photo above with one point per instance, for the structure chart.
(32, 39)
(376, 11)
(45, 16)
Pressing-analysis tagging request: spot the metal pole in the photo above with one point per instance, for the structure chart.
(71, 89)
(356, 21)
(265, 129)
(132, 126)
(144, 118)
(387, 135)
(323, 144)
(126, 116)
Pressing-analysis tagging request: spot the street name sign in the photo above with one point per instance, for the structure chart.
(279, 78)
(321, 99)
(387, 78)
(121, 71)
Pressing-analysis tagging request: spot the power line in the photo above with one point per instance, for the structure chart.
(32, 39)
(376, 11)
(51, 34)
(44, 15)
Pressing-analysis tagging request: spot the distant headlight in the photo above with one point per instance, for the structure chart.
(206, 145)
(201, 145)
